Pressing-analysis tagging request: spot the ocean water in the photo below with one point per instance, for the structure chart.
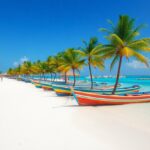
(142, 81)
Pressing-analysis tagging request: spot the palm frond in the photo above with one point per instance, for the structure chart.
(141, 58)
(114, 61)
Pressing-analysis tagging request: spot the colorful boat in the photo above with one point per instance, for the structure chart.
(108, 89)
(27, 80)
(36, 83)
(64, 90)
(47, 85)
(93, 99)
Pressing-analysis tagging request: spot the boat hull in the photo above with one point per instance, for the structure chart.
(65, 90)
(38, 85)
(123, 90)
(62, 91)
(93, 99)
(47, 87)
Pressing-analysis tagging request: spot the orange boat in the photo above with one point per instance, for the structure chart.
(93, 99)
(47, 87)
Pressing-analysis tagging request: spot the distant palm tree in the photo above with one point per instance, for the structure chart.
(123, 42)
(26, 68)
(40, 68)
(35, 68)
(18, 70)
(62, 68)
(71, 60)
(92, 55)
(53, 64)
(50, 66)
(43, 68)
(10, 71)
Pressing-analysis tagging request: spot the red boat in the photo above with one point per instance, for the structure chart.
(93, 99)
(46, 88)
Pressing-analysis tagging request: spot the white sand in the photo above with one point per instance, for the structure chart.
(31, 119)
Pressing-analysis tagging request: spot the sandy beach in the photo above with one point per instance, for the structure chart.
(32, 119)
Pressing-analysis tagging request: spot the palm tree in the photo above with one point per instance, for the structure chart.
(72, 60)
(50, 66)
(26, 68)
(18, 70)
(40, 68)
(35, 68)
(10, 72)
(92, 55)
(43, 68)
(54, 63)
(123, 42)
(14, 71)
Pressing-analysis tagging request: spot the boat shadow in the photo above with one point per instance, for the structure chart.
(67, 97)
(80, 106)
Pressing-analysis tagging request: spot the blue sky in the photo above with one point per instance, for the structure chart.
(35, 29)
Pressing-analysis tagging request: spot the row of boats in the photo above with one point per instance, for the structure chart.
(99, 95)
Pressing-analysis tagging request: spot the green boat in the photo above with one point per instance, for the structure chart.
(64, 90)
(105, 90)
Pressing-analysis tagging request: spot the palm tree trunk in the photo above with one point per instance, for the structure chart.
(43, 76)
(51, 77)
(91, 76)
(74, 77)
(40, 76)
(54, 77)
(118, 75)
(65, 77)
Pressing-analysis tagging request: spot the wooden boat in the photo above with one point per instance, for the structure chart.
(36, 83)
(64, 90)
(105, 90)
(47, 85)
(93, 99)
(27, 80)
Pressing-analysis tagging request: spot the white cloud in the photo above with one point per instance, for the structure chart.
(21, 61)
(137, 65)
(15, 64)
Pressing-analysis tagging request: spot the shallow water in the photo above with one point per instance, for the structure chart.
(142, 81)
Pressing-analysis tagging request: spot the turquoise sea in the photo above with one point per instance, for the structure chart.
(142, 81)
(125, 81)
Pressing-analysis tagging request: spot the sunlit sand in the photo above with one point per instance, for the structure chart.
(32, 119)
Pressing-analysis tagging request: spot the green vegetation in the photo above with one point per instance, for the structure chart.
(92, 54)
(122, 43)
